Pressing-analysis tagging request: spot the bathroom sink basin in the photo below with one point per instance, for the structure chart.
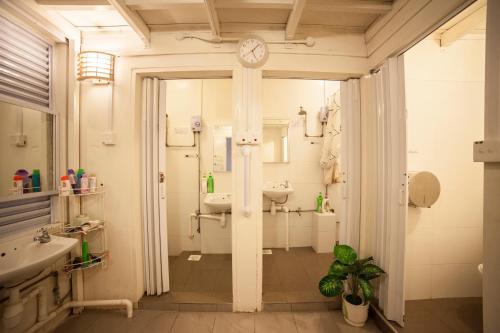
(277, 191)
(23, 258)
(219, 202)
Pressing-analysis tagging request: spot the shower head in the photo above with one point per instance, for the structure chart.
(302, 112)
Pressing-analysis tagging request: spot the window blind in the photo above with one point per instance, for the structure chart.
(27, 212)
(24, 65)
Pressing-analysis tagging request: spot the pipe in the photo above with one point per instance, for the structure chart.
(77, 304)
(309, 41)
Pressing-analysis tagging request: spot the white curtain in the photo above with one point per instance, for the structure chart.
(350, 162)
(153, 188)
(384, 181)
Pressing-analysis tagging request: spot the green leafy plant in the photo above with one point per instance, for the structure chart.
(357, 272)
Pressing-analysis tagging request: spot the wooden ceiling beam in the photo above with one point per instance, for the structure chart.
(294, 18)
(213, 18)
(466, 25)
(133, 19)
(350, 6)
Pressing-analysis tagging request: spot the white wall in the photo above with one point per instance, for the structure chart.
(444, 96)
(339, 56)
(282, 99)
(212, 99)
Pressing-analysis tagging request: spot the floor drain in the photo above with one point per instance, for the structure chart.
(267, 251)
(194, 257)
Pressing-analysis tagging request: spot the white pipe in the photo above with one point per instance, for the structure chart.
(77, 304)
(286, 210)
(246, 181)
(309, 41)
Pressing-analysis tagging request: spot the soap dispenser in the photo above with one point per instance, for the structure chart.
(204, 184)
(319, 202)
(210, 183)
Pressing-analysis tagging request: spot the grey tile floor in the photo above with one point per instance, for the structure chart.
(445, 315)
(288, 277)
(151, 321)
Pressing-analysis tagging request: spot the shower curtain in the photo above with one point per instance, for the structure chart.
(154, 215)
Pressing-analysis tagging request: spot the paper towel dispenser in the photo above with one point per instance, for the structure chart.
(423, 189)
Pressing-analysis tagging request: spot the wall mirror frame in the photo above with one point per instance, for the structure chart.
(275, 140)
(22, 116)
(222, 148)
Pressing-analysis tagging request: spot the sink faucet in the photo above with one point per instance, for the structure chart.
(44, 238)
(286, 183)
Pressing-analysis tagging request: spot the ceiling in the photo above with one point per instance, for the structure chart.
(220, 16)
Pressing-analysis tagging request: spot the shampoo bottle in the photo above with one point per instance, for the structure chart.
(319, 202)
(92, 183)
(210, 183)
(35, 179)
(17, 185)
(84, 183)
(65, 187)
(85, 252)
(72, 180)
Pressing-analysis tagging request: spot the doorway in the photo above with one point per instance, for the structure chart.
(298, 241)
(196, 145)
(444, 82)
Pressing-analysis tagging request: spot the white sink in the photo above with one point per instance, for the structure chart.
(277, 191)
(219, 202)
(23, 258)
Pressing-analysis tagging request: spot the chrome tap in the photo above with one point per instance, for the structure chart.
(44, 238)
(286, 183)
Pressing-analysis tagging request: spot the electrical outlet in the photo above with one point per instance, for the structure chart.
(248, 138)
(18, 140)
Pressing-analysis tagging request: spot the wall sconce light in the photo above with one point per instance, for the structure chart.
(97, 66)
(100, 68)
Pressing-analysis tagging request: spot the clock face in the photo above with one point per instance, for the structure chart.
(252, 51)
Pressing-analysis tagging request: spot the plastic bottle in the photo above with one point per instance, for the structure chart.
(35, 180)
(65, 187)
(210, 183)
(92, 183)
(72, 181)
(79, 175)
(84, 183)
(319, 202)
(204, 184)
(17, 185)
(85, 252)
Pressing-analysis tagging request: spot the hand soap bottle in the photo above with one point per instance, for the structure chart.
(319, 202)
(204, 184)
(210, 183)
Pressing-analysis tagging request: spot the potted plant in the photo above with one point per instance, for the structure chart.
(351, 277)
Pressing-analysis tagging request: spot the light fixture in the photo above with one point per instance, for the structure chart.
(95, 65)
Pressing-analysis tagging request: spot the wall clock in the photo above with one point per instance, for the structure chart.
(252, 51)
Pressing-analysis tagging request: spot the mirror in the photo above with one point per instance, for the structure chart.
(275, 147)
(26, 145)
(222, 148)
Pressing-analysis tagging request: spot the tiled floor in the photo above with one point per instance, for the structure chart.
(288, 277)
(151, 321)
(446, 315)
(293, 276)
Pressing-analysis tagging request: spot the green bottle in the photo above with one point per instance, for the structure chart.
(85, 252)
(210, 183)
(319, 202)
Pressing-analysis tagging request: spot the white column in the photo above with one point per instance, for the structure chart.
(247, 228)
(491, 220)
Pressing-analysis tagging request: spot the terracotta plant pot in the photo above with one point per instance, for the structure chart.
(355, 315)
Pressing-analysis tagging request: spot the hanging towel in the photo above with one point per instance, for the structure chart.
(330, 151)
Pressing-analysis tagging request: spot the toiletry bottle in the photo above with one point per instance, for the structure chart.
(35, 181)
(79, 175)
(204, 184)
(92, 183)
(17, 185)
(319, 202)
(65, 187)
(26, 180)
(210, 183)
(85, 252)
(72, 180)
(84, 183)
